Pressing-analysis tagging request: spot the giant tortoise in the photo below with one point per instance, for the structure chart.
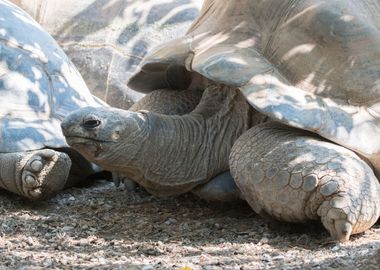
(311, 67)
(39, 86)
(106, 40)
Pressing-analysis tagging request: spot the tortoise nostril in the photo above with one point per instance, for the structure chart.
(93, 123)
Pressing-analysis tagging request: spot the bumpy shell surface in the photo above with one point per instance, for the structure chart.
(39, 85)
(106, 40)
(314, 65)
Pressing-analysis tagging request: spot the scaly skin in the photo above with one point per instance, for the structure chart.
(169, 102)
(294, 176)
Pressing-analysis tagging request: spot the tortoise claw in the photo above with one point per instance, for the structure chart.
(116, 179)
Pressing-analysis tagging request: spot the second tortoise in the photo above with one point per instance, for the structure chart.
(310, 66)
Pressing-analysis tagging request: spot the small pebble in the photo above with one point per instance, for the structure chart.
(264, 240)
(336, 248)
(147, 267)
(48, 262)
(170, 221)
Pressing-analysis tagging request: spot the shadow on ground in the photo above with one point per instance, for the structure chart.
(102, 227)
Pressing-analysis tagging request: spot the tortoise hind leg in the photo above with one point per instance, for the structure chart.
(36, 175)
(294, 176)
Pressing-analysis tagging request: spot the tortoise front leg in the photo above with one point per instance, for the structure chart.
(221, 188)
(294, 176)
(36, 174)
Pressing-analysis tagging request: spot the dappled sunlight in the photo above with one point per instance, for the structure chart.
(302, 14)
(17, 89)
(107, 39)
(20, 15)
(39, 86)
(312, 65)
(213, 39)
(149, 12)
(301, 49)
(308, 70)
(299, 44)
(33, 135)
(348, 125)
(25, 18)
(250, 42)
(238, 61)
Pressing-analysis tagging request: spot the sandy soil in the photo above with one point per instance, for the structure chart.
(104, 227)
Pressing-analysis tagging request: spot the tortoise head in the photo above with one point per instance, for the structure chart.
(102, 134)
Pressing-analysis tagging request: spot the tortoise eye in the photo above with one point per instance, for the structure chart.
(92, 123)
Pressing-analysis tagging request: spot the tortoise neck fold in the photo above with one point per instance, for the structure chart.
(181, 152)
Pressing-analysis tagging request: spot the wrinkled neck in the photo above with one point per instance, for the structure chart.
(173, 154)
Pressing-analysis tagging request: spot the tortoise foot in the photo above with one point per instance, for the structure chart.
(349, 212)
(128, 184)
(292, 176)
(44, 173)
(338, 222)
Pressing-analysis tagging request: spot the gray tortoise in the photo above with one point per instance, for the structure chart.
(311, 67)
(39, 86)
(106, 40)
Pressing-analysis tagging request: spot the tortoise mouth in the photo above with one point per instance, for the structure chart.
(90, 148)
(83, 140)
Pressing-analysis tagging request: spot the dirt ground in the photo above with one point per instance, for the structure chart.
(104, 227)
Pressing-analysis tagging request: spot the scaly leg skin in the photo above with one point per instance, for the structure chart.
(294, 176)
(119, 178)
(35, 175)
(221, 188)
